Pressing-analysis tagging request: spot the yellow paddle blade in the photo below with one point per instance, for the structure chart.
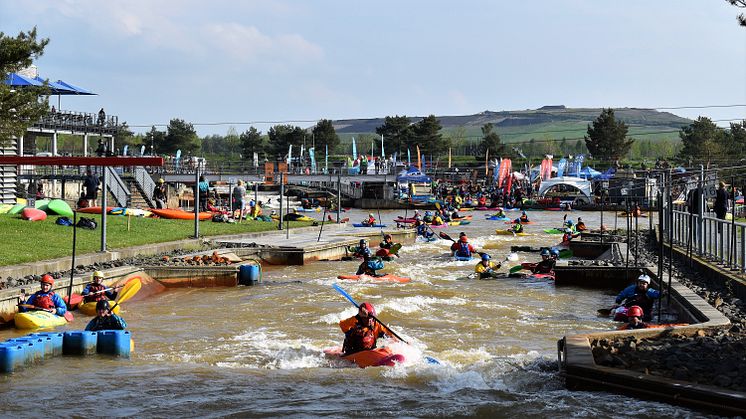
(129, 289)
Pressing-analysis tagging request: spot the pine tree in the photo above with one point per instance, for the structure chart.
(491, 141)
(607, 138)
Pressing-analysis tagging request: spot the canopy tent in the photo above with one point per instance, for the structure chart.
(519, 175)
(412, 174)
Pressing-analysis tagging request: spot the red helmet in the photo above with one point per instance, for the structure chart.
(463, 239)
(47, 279)
(634, 311)
(369, 308)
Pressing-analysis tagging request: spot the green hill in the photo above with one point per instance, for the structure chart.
(545, 123)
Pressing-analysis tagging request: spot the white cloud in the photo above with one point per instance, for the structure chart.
(248, 44)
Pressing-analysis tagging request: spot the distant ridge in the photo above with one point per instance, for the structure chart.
(539, 120)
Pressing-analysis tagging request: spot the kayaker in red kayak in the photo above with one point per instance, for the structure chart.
(385, 246)
(361, 331)
(45, 299)
(634, 319)
(94, 291)
(546, 266)
(105, 319)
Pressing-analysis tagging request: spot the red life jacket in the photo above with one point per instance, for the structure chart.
(359, 338)
(92, 288)
(43, 300)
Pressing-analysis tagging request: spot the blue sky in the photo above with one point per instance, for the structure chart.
(241, 61)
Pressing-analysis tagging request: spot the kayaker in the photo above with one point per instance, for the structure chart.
(45, 299)
(462, 247)
(361, 330)
(371, 220)
(428, 218)
(638, 294)
(455, 215)
(523, 218)
(580, 226)
(634, 319)
(516, 228)
(362, 249)
(546, 266)
(486, 268)
(94, 291)
(568, 236)
(387, 244)
(423, 230)
(369, 266)
(500, 213)
(160, 194)
(555, 254)
(437, 220)
(105, 319)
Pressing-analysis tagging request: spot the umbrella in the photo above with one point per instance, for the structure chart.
(14, 79)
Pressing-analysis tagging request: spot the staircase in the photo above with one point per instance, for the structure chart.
(137, 198)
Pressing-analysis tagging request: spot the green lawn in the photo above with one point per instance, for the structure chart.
(26, 241)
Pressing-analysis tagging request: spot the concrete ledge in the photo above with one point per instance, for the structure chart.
(581, 372)
(198, 277)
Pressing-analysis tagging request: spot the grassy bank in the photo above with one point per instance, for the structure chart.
(26, 241)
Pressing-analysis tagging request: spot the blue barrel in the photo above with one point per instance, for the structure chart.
(78, 342)
(249, 274)
(34, 348)
(12, 356)
(54, 342)
(114, 342)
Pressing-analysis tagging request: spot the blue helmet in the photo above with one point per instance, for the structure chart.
(569, 222)
(545, 252)
(486, 257)
(554, 252)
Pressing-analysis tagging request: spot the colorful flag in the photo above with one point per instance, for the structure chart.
(354, 149)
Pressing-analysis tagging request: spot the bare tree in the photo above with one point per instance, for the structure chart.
(741, 4)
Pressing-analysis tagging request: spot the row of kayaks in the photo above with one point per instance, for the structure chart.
(39, 211)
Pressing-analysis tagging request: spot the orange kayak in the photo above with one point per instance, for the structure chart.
(379, 357)
(178, 214)
(384, 278)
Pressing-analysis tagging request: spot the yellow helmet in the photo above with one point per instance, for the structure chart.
(98, 274)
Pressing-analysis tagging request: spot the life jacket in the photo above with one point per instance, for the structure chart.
(359, 338)
(463, 249)
(524, 218)
(566, 237)
(98, 297)
(44, 300)
(518, 228)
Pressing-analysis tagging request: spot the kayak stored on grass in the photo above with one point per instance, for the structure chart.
(93, 210)
(379, 357)
(383, 278)
(33, 214)
(60, 207)
(38, 319)
(177, 214)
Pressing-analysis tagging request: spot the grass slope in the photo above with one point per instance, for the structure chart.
(26, 241)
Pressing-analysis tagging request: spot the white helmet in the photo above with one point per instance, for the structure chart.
(644, 278)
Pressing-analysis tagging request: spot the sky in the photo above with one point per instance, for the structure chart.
(221, 64)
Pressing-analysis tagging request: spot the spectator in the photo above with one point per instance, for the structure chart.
(91, 185)
(101, 117)
(204, 189)
(160, 194)
(101, 148)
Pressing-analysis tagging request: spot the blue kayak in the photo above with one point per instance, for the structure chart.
(493, 218)
(368, 225)
(461, 258)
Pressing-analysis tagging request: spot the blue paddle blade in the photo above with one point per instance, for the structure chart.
(344, 294)
(431, 360)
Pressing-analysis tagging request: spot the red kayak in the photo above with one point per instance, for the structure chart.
(33, 214)
(73, 303)
(405, 220)
(93, 210)
(178, 214)
(379, 357)
(384, 278)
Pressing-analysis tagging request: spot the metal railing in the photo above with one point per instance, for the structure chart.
(117, 187)
(348, 190)
(145, 183)
(717, 240)
(79, 122)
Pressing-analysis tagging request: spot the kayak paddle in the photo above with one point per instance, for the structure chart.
(128, 291)
(349, 298)
(515, 269)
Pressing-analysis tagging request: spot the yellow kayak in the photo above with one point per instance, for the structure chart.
(38, 320)
(509, 233)
(90, 308)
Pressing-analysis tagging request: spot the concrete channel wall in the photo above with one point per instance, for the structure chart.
(582, 373)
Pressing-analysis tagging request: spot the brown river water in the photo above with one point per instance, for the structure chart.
(257, 351)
